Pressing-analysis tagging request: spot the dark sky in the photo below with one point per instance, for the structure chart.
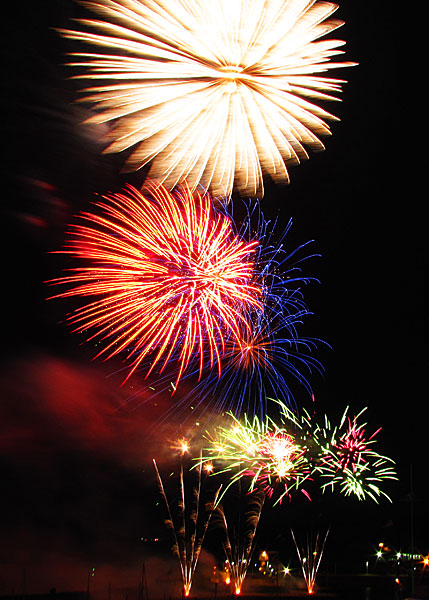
(78, 487)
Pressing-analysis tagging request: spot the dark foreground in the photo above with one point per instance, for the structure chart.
(343, 587)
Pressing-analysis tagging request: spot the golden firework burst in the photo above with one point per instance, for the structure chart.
(217, 92)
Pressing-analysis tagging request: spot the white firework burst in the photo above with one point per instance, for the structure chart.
(217, 92)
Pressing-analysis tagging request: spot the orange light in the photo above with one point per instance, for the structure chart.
(181, 445)
(227, 581)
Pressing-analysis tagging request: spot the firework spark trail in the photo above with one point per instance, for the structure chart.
(310, 559)
(244, 73)
(239, 539)
(172, 280)
(189, 528)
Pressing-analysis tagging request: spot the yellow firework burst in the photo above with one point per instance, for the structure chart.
(216, 92)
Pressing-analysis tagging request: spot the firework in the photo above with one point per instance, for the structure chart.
(167, 276)
(350, 462)
(299, 449)
(344, 455)
(238, 538)
(263, 452)
(272, 358)
(189, 527)
(310, 558)
(181, 446)
(212, 92)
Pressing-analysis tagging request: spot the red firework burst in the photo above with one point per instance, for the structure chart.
(170, 278)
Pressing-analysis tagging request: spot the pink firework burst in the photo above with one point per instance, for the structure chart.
(352, 446)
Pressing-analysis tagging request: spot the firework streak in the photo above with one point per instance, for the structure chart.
(310, 558)
(239, 537)
(188, 528)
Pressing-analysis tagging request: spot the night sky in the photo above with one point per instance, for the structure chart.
(78, 487)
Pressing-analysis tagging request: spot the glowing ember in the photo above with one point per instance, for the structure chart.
(181, 446)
